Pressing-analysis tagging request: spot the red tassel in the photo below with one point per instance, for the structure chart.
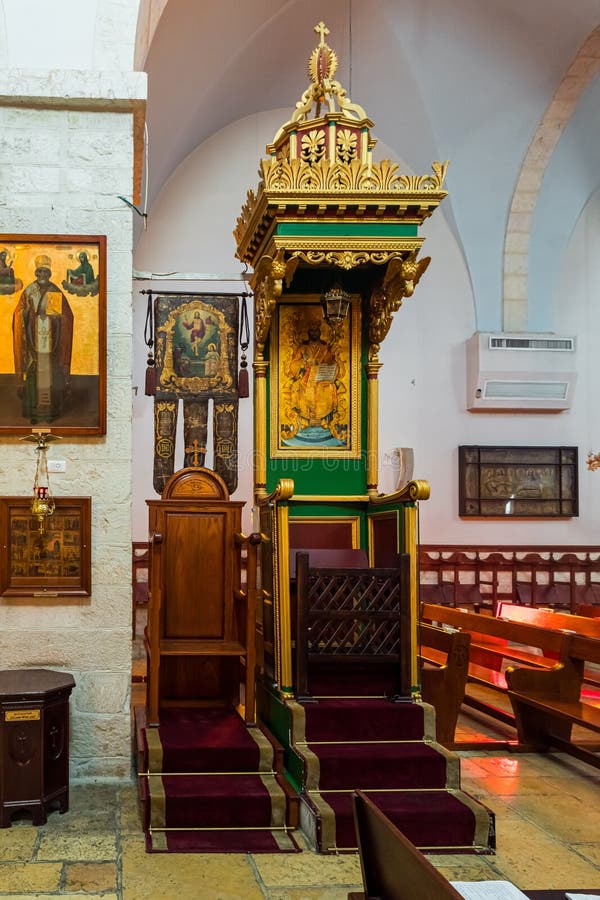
(150, 389)
(243, 385)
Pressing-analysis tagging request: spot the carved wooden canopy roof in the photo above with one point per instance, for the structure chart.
(322, 200)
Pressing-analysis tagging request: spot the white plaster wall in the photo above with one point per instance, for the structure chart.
(68, 34)
(61, 170)
(426, 343)
(423, 381)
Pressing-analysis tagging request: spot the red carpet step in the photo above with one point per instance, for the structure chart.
(209, 783)
(386, 749)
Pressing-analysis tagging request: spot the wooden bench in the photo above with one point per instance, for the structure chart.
(556, 621)
(548, 703)
(494, 643)
(392, 867)
(445, 658)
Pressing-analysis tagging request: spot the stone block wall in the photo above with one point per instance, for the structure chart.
(66, 153)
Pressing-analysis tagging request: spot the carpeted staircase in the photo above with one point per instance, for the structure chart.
(388, 750)
(209, 783)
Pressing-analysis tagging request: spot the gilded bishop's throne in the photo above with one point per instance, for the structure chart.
(333, 240)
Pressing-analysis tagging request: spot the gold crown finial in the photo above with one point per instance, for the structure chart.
(322, 29)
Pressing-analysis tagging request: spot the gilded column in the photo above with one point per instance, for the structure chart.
(284, 618)
(260, 427)
(372, 370)
(411, 546)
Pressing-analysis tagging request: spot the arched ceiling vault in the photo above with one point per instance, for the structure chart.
(466, 81)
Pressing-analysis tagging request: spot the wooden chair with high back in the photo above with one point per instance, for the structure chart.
(200, 639)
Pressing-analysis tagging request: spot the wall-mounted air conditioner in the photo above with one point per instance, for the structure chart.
(516, 372)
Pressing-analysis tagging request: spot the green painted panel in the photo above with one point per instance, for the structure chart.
(347, 229)
(278, 719)
(319, 476)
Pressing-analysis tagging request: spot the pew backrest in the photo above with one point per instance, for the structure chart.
(555, 621)
(563, 643)
(392, 867)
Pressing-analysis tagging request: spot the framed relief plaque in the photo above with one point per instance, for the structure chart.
(518, 481)
(53, 562)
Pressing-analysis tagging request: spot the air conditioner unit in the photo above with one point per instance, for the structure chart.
(517, 372)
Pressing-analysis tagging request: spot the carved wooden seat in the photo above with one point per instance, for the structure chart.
(200, 639)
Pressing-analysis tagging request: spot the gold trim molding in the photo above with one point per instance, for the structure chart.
(414, 490)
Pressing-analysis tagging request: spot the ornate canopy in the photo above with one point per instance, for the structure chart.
(322, 201)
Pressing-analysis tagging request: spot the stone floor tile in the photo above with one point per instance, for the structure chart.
(91, 877)
(516, 785)
(564, 815)
(462, 867)
(589, 851)
(17, 843)
(30, 877)
(308, 869)
(129, 810)
(530, 858)
(62, 896)
(186, 876)
(316, 893)
(509, 766)
(78, 845)
(77, 821)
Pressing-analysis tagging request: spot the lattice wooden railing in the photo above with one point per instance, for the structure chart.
(352, 616)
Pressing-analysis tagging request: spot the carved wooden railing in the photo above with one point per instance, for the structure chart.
(356, 617)
(558, 577)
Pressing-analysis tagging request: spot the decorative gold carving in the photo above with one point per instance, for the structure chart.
(399, 281)
(281, 175)
(267, 284)
(322, 66)
(344, 259)
(283, 491)
(313, 145)
(414, 490)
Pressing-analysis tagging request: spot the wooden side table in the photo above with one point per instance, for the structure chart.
(34, 742)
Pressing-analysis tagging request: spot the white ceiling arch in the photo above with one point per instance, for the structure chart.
(466, 81)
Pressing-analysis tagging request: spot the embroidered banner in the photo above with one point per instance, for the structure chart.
(195, 339)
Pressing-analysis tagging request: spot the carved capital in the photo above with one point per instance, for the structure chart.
(400, 279)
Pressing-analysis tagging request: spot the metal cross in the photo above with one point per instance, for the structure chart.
(322, 30)
(196, 450)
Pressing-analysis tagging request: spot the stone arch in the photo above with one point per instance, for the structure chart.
(582, 71)
(149, 15)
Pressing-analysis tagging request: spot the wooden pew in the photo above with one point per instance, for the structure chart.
(392, 867)
(548, 703)
(556, 621)
(445, 659)
(494, 641)
(567, 624)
